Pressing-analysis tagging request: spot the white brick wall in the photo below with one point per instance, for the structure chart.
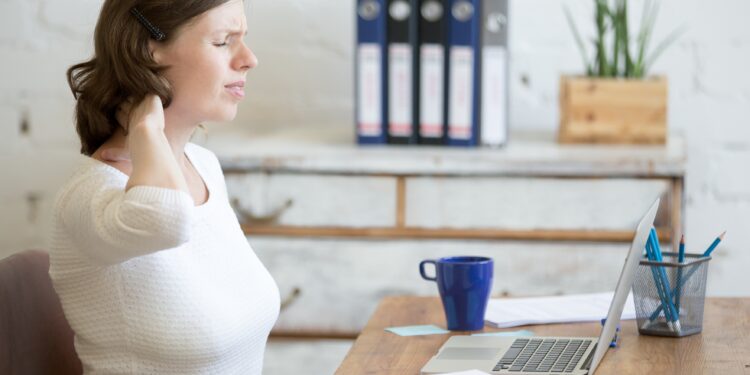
(304, 80)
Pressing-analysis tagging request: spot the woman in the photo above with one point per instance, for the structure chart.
(151, 266)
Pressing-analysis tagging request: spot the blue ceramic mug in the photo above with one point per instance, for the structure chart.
(464, 283)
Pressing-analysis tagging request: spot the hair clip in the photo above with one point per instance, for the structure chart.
(155, 32)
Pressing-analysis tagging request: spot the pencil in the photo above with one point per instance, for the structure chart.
(662, 284)
(680, 259)
(714, 244)
(690, 273)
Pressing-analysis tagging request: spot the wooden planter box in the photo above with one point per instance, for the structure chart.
(612, 110)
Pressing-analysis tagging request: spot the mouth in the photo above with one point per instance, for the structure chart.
(236, 89)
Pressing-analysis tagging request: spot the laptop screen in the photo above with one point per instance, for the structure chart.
(624, 284)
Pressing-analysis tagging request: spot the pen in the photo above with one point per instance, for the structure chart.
(613, 344)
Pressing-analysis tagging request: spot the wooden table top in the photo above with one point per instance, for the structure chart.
(722, 348)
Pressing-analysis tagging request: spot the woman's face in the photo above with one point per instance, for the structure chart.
(208, 62)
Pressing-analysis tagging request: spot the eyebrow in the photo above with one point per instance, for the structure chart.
(230, 32)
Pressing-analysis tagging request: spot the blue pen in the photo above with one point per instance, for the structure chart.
(613, 344)
(680, 259)
(691, 272)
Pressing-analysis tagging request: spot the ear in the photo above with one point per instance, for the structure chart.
(156, 52)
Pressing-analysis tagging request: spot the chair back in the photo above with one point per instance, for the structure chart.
(35, 337)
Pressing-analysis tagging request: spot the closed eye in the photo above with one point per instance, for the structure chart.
(226, 41)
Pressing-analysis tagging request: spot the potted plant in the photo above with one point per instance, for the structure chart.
(616, 101)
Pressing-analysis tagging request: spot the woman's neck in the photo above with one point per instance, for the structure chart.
(177, 139)
(178, 132)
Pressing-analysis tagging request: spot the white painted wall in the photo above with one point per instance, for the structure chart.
(305, 49)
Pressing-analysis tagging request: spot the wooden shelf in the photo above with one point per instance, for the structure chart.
(529, 153)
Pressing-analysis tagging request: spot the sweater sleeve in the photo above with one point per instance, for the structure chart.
(110, 225)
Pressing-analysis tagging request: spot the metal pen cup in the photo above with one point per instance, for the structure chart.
(687, 287)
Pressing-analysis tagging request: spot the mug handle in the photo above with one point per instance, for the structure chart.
(421, 269)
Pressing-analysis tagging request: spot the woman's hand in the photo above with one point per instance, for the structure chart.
(149, 112)
(152, 158)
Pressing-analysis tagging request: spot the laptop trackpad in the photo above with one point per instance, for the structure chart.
(468, 353)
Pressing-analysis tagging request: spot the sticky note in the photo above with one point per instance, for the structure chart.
(417, 330)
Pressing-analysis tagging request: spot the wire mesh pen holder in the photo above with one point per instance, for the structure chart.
(669, 296)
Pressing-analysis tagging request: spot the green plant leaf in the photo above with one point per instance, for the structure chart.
(668, 40)
(613, 56)
(650, 12)
(626, 43)
(617, 27)
(579, 40)
(601, 30)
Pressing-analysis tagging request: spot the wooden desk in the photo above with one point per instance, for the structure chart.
(722, 348)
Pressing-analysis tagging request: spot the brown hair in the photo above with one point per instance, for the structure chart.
(122, 66)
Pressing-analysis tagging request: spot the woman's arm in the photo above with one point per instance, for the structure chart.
(110, 226)
(153, 213)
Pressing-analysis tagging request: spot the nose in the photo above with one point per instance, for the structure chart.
(245, 59)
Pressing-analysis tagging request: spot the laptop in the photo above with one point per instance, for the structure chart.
(544, 355)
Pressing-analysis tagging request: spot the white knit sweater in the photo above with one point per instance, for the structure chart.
(151, 283)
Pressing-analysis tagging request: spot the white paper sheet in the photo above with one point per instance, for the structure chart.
(513, 312)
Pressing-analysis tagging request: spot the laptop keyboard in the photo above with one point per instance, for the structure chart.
(543, 355)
